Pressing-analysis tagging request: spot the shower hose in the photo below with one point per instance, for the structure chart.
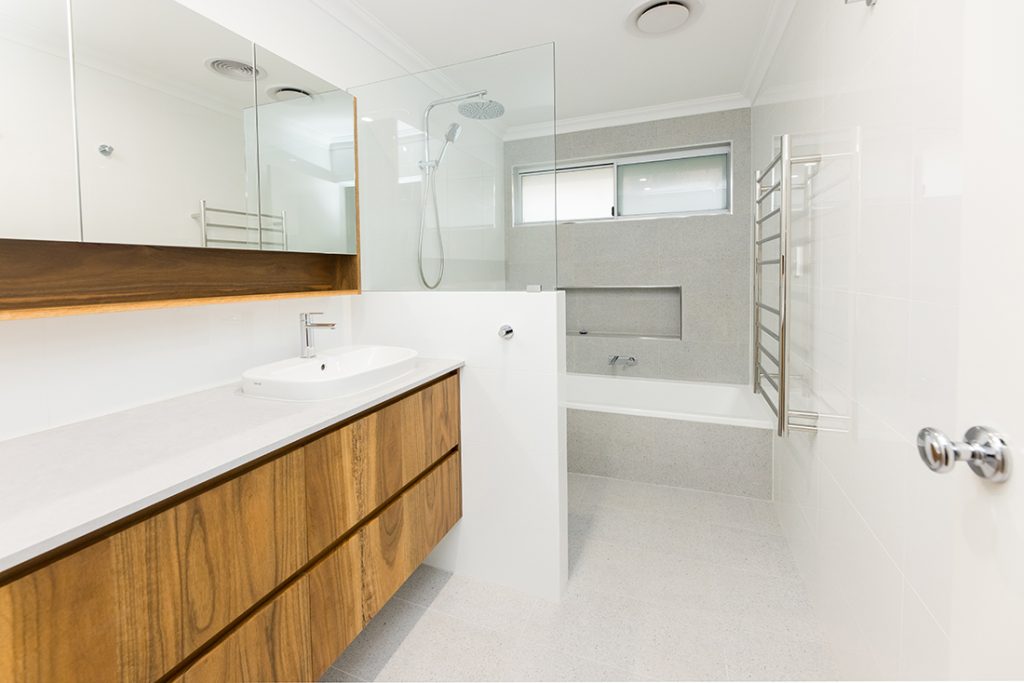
(430, 195)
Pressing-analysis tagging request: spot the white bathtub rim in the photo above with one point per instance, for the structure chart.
(766, 422)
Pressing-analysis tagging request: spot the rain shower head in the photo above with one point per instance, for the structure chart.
(482, 110)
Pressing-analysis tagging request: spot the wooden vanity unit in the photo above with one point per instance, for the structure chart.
(265, 573)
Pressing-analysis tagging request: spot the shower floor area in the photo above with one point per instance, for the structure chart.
(665, 584)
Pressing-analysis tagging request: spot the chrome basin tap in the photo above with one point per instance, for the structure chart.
(307, 326)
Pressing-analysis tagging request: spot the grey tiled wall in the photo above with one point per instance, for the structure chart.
(696, 455)
(708, 256)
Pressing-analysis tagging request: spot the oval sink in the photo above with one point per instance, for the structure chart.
(332, 373)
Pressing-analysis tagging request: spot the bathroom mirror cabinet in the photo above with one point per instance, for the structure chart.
(187, 134)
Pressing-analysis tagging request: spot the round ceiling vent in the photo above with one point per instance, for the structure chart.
(284, 93)
(233, 69)
(662, 17)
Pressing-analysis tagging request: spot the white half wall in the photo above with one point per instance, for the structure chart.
(514, 526)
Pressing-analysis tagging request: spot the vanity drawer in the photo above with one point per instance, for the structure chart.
(335, 603)
(271, 645)
(237, 542)
(56, 623)
(352, 471)
(131, 606)
(397, 541)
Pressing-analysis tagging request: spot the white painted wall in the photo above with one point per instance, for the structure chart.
(513, 530)
(914, 574)
(60, 370)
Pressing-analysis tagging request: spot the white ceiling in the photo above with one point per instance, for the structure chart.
(601, 65)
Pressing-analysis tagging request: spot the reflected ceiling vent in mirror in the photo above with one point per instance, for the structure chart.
(285, 93)
(666, 16)
(233, 69)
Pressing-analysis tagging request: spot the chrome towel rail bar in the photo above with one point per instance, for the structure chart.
(278, 222)
(773, 190)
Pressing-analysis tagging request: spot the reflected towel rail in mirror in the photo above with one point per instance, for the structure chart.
(278, 221)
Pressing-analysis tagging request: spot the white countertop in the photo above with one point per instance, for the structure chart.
(60, 484)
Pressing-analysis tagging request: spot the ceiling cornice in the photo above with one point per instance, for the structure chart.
(775, 28)
(704, 105)
(364, 24)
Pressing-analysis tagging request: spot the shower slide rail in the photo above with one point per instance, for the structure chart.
(773, 193)
(218, 230)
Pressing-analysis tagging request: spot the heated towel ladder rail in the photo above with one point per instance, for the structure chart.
(217, 229)
(773, 199)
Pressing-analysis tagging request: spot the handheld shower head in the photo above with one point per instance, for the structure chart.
(454, 131)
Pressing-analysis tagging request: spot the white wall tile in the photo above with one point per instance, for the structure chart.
(924, 645)
(875, 337)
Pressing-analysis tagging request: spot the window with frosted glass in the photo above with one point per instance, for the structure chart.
(582, 193)
(694, 184)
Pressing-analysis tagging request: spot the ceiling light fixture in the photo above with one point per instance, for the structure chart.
(651, 19)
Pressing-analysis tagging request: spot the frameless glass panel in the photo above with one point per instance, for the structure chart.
(306, 137)
(439, 152)
(688, 185)
(165, 102)
(582, 193)
(38, 187)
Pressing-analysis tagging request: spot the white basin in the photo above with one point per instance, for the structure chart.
(332, 373)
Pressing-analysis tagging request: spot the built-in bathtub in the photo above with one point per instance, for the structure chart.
(715, 437)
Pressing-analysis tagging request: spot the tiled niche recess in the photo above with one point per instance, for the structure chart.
(649, 311)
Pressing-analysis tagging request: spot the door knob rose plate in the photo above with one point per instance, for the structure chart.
(983, 449)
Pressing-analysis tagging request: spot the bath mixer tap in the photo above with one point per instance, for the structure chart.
(306, 328)
(628, 361)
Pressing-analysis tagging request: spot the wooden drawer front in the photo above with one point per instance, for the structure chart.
(132, 606)
(56, 623)
(335, 603)
(271, 645)
(394, 543)
(445, 404)
(352, 471)
(238, 542)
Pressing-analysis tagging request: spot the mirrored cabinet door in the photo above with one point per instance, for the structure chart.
(166, 126)
(306, 132)
(38, 183)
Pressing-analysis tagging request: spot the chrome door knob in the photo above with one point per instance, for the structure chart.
(983, 449)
